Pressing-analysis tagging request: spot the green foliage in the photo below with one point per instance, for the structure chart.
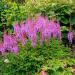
(17, 11)
(29, 61)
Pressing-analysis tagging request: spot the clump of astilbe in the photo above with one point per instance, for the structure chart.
(47, 29)
(70, 36)
(31, 27)
(10, 43)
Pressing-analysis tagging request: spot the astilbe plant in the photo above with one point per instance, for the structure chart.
(29, 29)
(70, 36)
(10, 43)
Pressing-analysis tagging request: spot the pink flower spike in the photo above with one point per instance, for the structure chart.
(17, 30)
(6, 41)
(70, 36)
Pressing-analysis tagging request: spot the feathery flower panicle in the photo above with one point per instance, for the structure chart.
(52, 26)
(10, 43)
(6, 41)
(23, 39)
(23, 34)
(22, 24)
(17, 30)
(70, 36)
(14, 46)
(39, 23)
(28, 24)
(32, 33)
(58, 30)
(46, 29)
(55, 31)
(13, 40)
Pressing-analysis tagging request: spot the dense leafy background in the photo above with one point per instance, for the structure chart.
(11, 11)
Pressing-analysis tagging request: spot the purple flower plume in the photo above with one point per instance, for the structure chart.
(70, 36)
